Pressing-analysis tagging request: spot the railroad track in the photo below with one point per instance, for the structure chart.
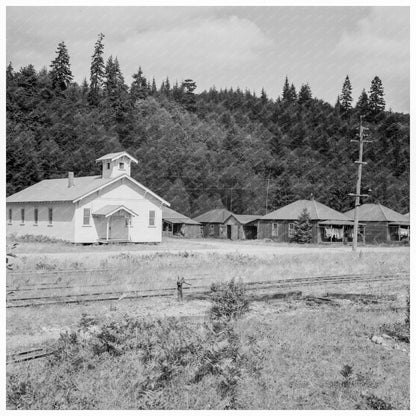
(14, 301)
(32, 354)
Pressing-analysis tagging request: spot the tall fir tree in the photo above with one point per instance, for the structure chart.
(346, 97)
(286, 90)
(305, 94)
(292, 93)
(188, 99)
(139, 87)
(97, 71)
(115, 90)
(376, 100)
(153, 89)
(263, 97)
(363, 104)
(60, 73)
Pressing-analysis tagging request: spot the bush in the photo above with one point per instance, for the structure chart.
(228, 300)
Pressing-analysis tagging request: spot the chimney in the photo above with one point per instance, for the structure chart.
(70, 179)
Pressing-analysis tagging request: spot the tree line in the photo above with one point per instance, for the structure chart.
(219, 148)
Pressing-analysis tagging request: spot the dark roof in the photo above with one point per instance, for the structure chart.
(174, 217)
(214, 216)
(317, 211)
(377, 212)
(51, 190)
(246, 219)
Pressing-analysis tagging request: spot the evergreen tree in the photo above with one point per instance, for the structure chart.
(61, 74)
(303, 228)
(177, 92)
(305, 94)
(188, 99)
(167, 87)
(292, 93)
(9, 73)
(114, 85)
(97, 71)
(153, 89)
(337, 105)
(263, 97)
(289, 94)
(139, 87)
(376, 100)
(346, 98)
(362, 103)
(286, 90)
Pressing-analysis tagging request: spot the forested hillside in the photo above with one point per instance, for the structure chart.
(200, 151)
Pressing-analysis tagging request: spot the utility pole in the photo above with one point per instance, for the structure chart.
(358, 194)
(267, 192)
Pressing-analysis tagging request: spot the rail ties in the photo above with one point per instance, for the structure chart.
(27, 301)
(32, 354)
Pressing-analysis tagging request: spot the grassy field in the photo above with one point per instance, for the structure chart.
(301, 347)
(283, 355)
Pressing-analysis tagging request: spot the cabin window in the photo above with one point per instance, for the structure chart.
(128, 221)
(35, 216)
(152, 218)
(50, 215)
(211, 227)
(291, 230)
(121, 165)
(274, 229)
(22, 216)
(10, 215)
(87, 215)
(108, 165)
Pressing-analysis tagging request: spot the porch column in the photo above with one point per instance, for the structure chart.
(108, 226)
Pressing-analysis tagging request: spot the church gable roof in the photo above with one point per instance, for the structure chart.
(57, 190)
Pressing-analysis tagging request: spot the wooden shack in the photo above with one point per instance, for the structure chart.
(213, 223)
(382, 224)
(179, 225)
(328, 225)
(242, 227)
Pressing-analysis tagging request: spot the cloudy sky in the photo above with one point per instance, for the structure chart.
(249, 47)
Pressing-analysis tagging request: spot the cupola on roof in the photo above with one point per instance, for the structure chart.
(116, 164)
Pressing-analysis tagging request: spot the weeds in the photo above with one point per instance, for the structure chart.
(346, 373)
(372, 402)
(29, 238)
(45, 266)
(228, 300)
(400, 331)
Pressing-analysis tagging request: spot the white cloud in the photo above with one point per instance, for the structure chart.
(203, 48)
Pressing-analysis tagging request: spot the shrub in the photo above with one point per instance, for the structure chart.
(375, 403)
(228, 300)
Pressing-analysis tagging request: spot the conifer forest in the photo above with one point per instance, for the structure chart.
(209, 149)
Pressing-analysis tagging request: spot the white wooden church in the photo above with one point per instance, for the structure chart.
(89, 209)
